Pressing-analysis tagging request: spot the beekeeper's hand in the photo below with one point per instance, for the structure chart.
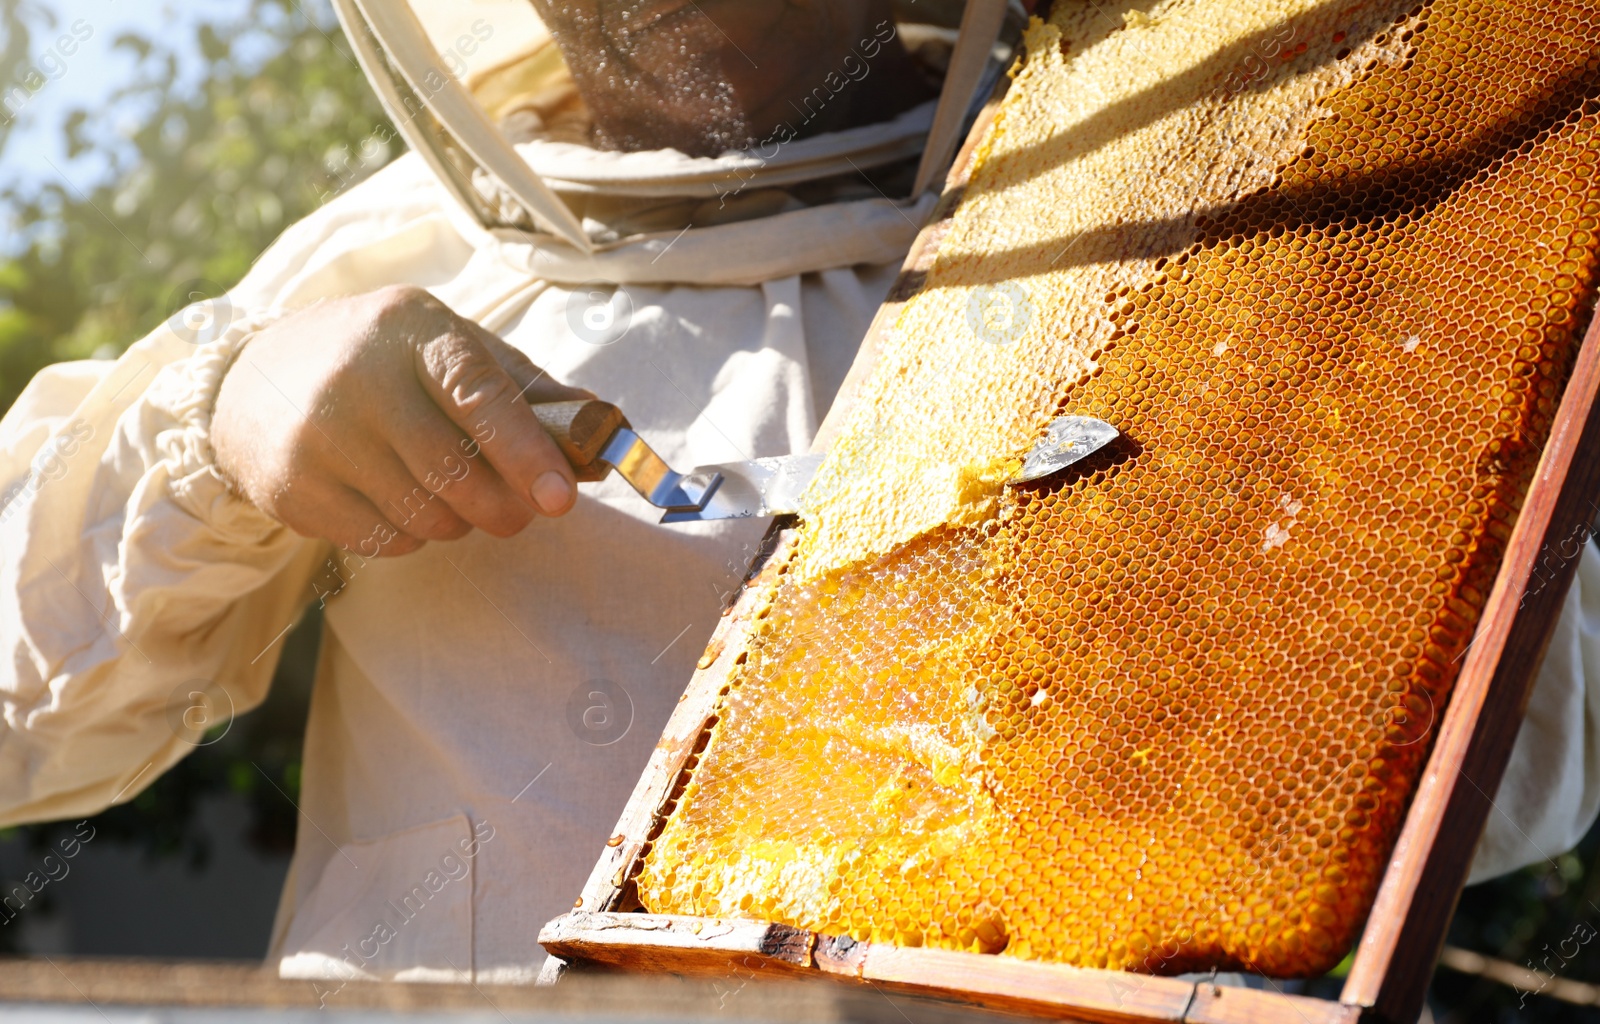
(383, 421)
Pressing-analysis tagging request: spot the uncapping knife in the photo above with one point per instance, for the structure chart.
(596, 438)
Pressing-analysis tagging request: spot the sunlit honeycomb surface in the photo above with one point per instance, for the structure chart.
(1165, 711)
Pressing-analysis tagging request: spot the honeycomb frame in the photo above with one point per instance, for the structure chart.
(1395, 957)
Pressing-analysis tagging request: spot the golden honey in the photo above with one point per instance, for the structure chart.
(1326, 267)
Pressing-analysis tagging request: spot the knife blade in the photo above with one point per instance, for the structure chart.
(597, 439)
(759, 487)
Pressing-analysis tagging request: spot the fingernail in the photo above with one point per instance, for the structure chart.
(552, 493)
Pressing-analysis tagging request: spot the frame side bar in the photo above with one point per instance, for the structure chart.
(1408, 920)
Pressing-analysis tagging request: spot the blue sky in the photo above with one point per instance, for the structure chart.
(94, 71)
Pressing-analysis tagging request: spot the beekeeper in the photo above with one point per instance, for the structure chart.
(501, 650)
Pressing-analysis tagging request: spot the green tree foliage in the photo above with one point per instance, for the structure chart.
(16, 34)
(281, 118)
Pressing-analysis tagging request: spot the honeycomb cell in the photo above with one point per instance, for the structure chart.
(1326, 267)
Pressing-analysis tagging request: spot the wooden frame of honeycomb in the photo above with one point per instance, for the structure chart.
(1405, 928)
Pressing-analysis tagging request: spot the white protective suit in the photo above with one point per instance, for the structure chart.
(483, 707)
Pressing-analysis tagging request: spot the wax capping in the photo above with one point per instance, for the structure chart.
(1326, 267)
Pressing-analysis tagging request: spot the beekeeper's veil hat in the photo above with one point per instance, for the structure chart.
(465, 79)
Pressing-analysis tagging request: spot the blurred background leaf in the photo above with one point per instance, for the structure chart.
(198, 174)
(203, 181)
(17, 20)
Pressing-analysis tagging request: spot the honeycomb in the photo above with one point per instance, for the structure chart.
(1326, 267)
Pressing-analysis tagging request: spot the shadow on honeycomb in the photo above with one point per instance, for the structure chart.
(1327, 267)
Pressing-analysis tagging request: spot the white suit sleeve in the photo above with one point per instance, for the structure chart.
(130, 577)
(1550, 794)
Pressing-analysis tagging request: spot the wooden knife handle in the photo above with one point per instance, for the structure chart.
(581, 430)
